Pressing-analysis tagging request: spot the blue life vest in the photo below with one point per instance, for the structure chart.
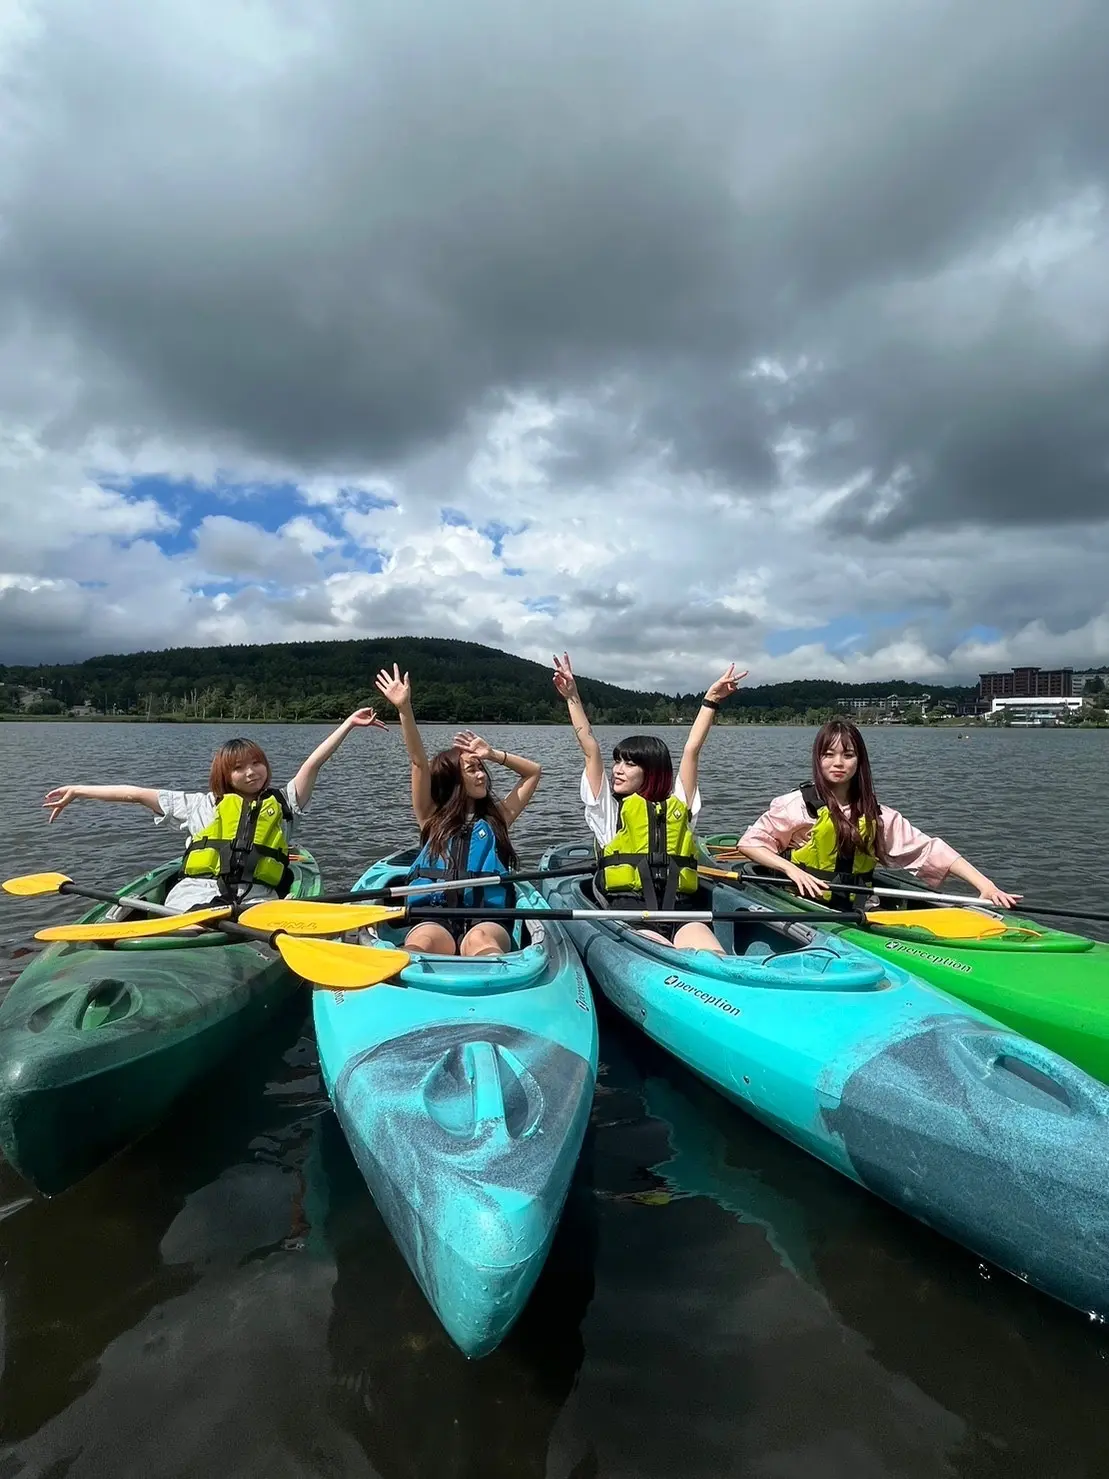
(473, 851)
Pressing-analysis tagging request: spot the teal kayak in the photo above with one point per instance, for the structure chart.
(983, 1135)
(96, 1043)
(464, 1088)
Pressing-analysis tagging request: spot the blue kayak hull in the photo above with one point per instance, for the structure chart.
(464, 1089)
(981, 1134)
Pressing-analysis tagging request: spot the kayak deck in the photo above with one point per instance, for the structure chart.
(978, 1132)
(96, 1043)
(464, 1087)
(1049, 984)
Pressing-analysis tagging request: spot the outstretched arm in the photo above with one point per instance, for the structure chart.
(398, 691)
(304, 782)
(985, 886)
(567, 686)
(723, 688)
(60, 797)
(529, 771)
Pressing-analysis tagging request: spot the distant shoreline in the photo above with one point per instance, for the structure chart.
(725, 722)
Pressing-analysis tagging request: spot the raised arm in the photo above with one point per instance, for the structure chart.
(567, 686)
(723, 688)
(60, 797)
(529, 771)
(398, 691)
(304, 782)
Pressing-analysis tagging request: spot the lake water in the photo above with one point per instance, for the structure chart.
(224, 1300)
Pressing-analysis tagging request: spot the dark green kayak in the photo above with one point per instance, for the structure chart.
(96, 1044)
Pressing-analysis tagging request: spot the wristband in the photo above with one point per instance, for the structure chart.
(708, 703)
(504, 757)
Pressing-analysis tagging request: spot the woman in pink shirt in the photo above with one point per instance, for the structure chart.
(835, 828)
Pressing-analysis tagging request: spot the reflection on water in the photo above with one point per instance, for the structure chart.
(223, 1298)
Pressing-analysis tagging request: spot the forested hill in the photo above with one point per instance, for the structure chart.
(452, 682)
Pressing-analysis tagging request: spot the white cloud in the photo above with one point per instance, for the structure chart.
(817, 356)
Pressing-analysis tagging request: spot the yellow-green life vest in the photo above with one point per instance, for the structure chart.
(821, 854)
(244, 843)
(652, 853)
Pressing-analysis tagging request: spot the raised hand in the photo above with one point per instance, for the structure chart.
(58, 799)
(366, 719)
(566, 685)
(470, 743)
(725, 685)
(392, 686)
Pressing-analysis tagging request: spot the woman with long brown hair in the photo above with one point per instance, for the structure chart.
(833, 829)
(463, 827)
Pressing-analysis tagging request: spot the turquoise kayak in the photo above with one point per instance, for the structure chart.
(464, 1088)
(97, 1042)
(986, 1137)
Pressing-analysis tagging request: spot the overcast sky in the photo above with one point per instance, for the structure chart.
(774, 330)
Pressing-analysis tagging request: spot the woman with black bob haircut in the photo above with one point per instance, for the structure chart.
(643, 820)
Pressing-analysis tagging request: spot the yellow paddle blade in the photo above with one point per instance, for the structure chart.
(945, 924)
(341, 967)
(131, 929)
(28, 885)
(716, 873)
(304, 917)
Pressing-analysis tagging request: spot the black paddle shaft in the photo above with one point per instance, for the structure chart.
(861, 888)
(455, 885)
(670, 916)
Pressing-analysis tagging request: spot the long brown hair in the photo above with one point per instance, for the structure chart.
(861, 800)
(453, 810)
(231, 756)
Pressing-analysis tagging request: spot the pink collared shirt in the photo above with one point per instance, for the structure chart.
(786, 824)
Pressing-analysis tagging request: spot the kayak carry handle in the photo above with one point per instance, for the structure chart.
(479, 1090)
(1028, 1074)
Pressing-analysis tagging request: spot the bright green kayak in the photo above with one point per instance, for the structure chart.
(96, 1044)
(1047, 984)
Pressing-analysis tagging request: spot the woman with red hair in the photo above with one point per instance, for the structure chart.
(239, 829)
(643, 821)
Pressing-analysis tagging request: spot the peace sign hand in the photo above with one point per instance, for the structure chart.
(565, 683)
(725, 685)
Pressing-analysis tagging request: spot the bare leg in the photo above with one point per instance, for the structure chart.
(486, 939)
(432, 939)
(697, 937)
(655, 936)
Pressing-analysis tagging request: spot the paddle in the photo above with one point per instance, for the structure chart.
(310, 959)
(32, 885)
(434, 886)
(106, 930)
(268, 915)
(920, 895)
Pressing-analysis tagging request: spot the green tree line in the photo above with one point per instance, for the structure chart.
(452, 682)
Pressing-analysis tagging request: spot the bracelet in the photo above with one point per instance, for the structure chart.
(708, 703)
(504, 757)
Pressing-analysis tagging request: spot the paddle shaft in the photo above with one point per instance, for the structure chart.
(436, 886)
(923, 896)
(669, 916)
(143, 905)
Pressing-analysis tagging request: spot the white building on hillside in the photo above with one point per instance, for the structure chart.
(1034, 712)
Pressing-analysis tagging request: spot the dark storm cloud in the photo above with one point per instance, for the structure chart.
(330, 232)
